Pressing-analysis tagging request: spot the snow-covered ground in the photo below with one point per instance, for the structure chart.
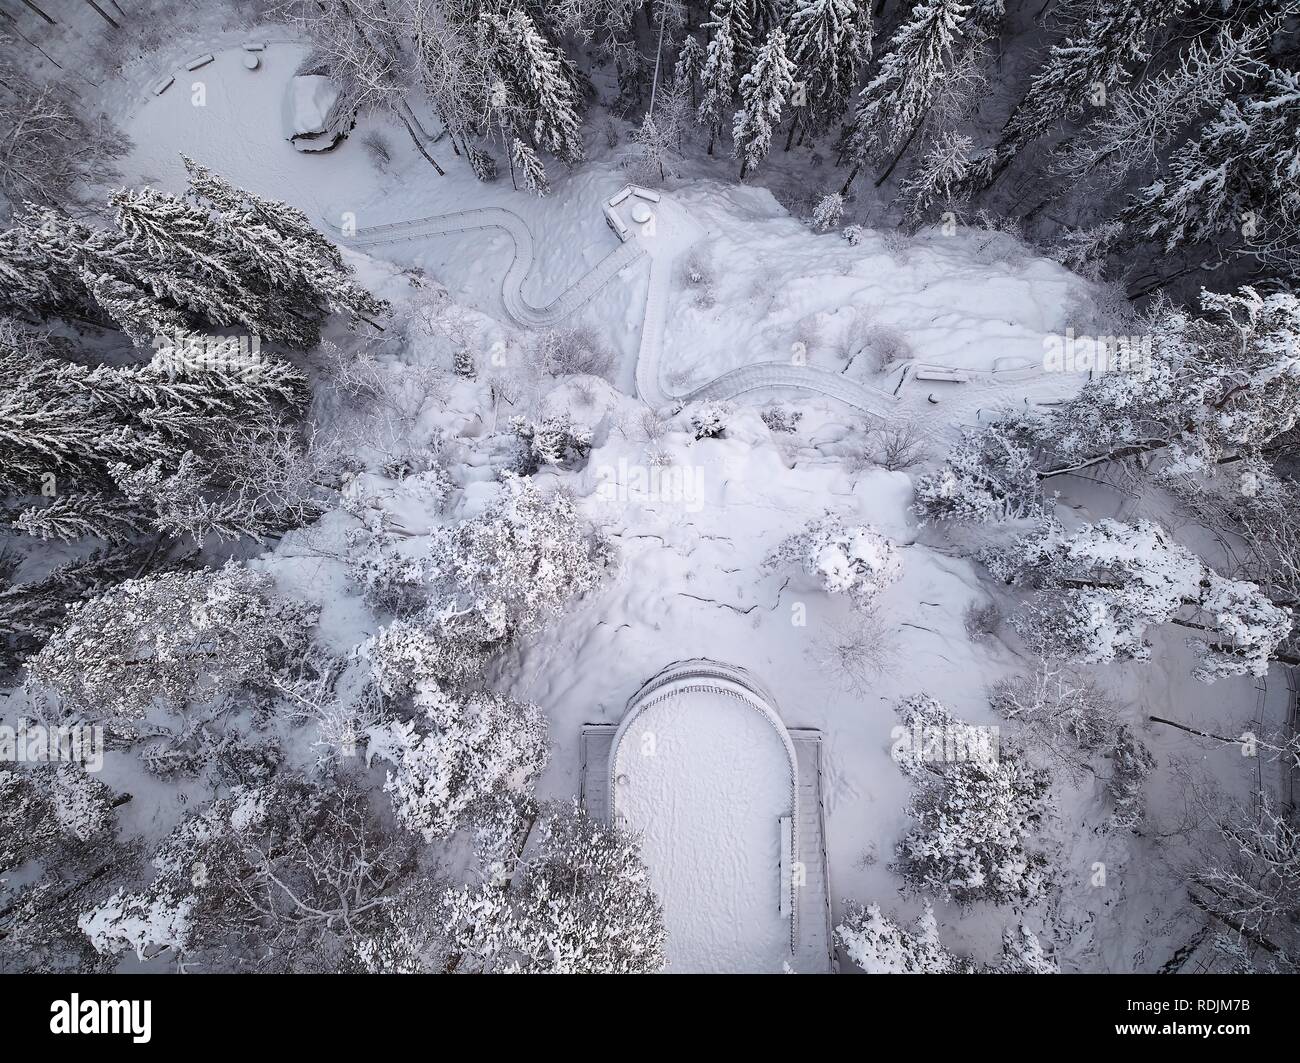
(695, 520)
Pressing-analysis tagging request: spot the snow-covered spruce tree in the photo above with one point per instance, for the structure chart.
(541, 97)
(171, 640)
(764, 90)
(30, 612)
(878, 945)
(689, 67)
(991, 475)
(1237, 176)
(829, 41)
(935, 181)
(916, 61)
(525, 166)
(718, 75)
(1104, 585)
(1101, 56)
(283, 876)
(974, 817)
(577, 901)
(459, 756)
(1140, 122)
(857, 561)
(184, 444)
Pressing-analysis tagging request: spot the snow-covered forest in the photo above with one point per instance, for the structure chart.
(621, 486)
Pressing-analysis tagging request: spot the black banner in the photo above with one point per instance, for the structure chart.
(150, 1012)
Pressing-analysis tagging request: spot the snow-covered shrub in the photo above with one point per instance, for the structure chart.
(577, 902)
(1022, 953)
(989, 476)
(856, 652)
(378, 150)
(982, 620)
(1104, 585)
(553, 441)
(854, 560)
(697, 274)
(974, 819)
(708, 419)
(887, 345)
(1060, 713)
(573, 352)
(48, 806)
(462, 753)
(171, 639)
(878, 945)
(853, 234)
(899, 446)
(781, 418)
(413, 651)
(1130, 763)
(828, 212)
(277, 877)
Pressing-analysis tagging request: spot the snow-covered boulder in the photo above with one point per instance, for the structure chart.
(311, 113)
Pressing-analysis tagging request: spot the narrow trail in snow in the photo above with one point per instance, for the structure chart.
(663, 254)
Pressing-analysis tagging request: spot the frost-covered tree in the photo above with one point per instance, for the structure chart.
(535, 92)
(283, 876)
(459, 756)
(1141, 121)
(878, 945)
(858, 561)
(718, 75)
(1237, 176)
(935, 181)
(49, 153)
(171, 640)
(1217, 387)
(577, 901)
(1098, 58)
(764, 91)
(974, 818)
(525, 166)
(829, 41)
(990, 475)
(554, 441)
(917, 60)
(1103, 586)
(828, 212)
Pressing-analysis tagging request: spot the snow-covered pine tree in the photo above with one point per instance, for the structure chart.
(764, 91)
(690, 67)
(829, 41)
(934, 181)
(718, 76)
(525, 166)
(1238, 175)
(1096, 60)
(538, 80)
(917, 59)
(1138, 123)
